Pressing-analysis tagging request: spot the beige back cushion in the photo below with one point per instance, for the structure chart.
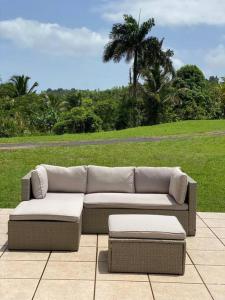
(178, 186)
(39, 180)
(114, 180)
(153, 179)
(67, 180)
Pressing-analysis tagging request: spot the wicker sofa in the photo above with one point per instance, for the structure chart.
(97, 192)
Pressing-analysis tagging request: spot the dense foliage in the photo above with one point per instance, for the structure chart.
(187, 96)
(155, 94)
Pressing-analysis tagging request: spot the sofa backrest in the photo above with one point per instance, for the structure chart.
(153, 179)
(96, 179)
(67, 180)
(105, 179)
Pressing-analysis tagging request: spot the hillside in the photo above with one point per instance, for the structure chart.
(167, 129)
(202, 157)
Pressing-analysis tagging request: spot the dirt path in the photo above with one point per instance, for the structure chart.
(15, 146)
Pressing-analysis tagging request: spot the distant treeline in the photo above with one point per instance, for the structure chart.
(186, 95)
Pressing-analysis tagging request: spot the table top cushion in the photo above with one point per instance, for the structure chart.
(145, 227)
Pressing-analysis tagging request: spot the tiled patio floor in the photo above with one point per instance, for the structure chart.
(83, 275)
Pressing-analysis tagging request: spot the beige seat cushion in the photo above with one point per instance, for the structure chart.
(138, 201)
(39, 179)
(105, 179)
(55, 207)
(178, 186)
(153, 179)
(145, 227)
(66, 180)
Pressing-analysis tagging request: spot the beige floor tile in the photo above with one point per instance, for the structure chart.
(84, 254)
(213, 258)
(102, 254)
(2, 249)
(17, 289)
(25, 255)
(65, 289)
(3, 227)
(211, 215)
(103, 241)
(215, 223)
(212, 274)
(177, 291)
(3, 238)
(223, 241)
(194, 243)
(200, 223)
(88, 240)
(103, 274)
(217, 291)
(4, 218)
(190, 276)
(220, 232)
(70, 270)
(117, 290)
(204, 232)
(188, 261)
(21, 269)
(6, 211)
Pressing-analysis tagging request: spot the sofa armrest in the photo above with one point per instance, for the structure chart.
(26, 189)
(191, 199)
(191, 194)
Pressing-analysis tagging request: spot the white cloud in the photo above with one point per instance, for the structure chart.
(52, 38)
(168, 12)
(177, 62)
(215, 58)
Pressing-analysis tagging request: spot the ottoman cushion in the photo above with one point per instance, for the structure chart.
(54, 207)
(145, 227)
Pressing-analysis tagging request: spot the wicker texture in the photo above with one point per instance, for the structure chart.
(43, 235)
(146, 256)
(96, 220)
(26, 188)
(192, 203)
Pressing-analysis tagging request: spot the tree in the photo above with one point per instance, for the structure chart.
(157, 71)
(127, 40)
(214, 79)
(190, 76)
(7, 90)
(20, 84)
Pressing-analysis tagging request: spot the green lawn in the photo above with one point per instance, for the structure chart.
(178, 128)
(202, 158)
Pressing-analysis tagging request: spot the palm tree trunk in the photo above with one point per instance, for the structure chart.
(134, 90)
(135, 74)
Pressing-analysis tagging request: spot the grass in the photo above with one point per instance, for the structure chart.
(177, 128)
(202, 158)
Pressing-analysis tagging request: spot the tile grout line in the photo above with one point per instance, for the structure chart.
(193, 261)
(151, 288)
(201, 278)
(5, 247)
(212, 230)
(41, 275)
(96, 265)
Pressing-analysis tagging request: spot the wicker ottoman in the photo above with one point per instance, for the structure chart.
(46, 224)
(146, 244)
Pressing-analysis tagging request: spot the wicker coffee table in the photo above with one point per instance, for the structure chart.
(146, 244)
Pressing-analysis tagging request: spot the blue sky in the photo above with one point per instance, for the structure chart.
(60, 43)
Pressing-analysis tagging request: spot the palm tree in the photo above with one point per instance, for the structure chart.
(127, 40)
(157, 71)
(20, 84)
(156, 66)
